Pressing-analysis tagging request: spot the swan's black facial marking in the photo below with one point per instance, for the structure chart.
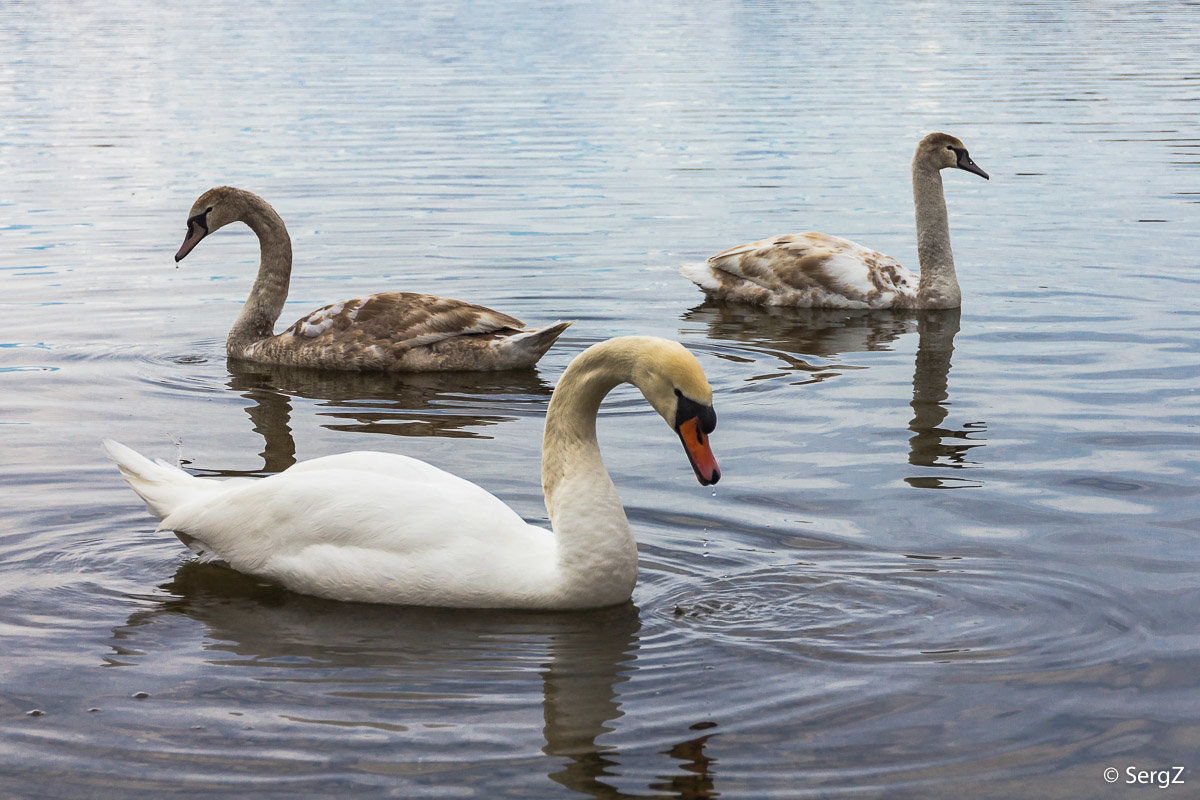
(687, 408)
(965, 162)
(200, 220)
(693, 422)
(197, 229)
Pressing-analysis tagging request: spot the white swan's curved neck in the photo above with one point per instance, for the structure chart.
(269, 292)
(597, 554)
(938, 287)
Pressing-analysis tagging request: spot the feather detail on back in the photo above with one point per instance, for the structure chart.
(401, 319)
(405, 331)
(808, 270)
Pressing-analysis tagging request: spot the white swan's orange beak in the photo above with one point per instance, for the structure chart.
(695, 444)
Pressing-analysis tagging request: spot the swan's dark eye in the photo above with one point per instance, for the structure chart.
(200, 220)
(686, 408)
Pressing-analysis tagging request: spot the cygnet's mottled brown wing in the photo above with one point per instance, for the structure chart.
(405, 331)
(807, 270)
(401, 319)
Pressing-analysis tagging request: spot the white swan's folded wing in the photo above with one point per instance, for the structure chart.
(412, 533)
(285, 513)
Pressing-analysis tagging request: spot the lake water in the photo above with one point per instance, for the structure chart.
(951, 555)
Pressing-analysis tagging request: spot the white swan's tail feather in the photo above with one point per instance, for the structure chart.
(162, 486)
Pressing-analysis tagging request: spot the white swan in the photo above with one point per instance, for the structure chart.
(815, 270)
(390, 331)
(378, 527)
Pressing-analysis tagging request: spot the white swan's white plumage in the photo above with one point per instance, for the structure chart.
(816, 270)
(379, 527)
(385, 332)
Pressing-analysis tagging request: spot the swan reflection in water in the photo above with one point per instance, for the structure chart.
(810, 341)
(799, 340)
(399, 669)
(452, 405)
(932, 445)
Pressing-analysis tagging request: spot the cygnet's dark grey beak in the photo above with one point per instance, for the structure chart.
(965, 162)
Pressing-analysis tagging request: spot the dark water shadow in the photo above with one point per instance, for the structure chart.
(585, 657)
(444, 404)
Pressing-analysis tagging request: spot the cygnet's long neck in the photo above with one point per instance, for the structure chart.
(257, 319)
(597, 553)
(938, 287)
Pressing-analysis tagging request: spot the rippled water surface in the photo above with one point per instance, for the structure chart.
(952, 555)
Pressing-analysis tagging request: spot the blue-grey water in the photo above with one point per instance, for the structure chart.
(951, 555)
